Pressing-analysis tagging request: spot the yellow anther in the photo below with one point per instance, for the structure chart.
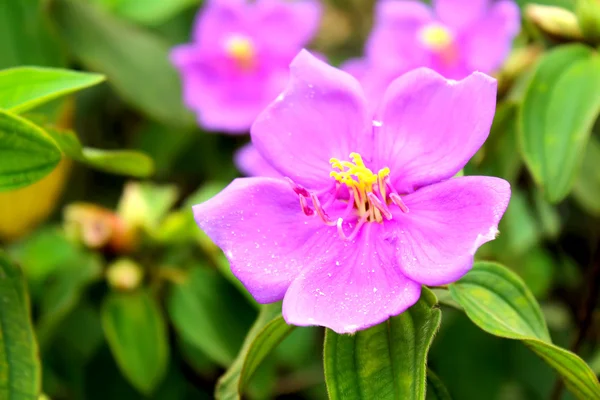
(436, 37)
(360, 180)
(241, 49)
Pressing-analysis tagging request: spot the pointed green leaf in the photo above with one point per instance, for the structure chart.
(210, 314)
(19, 363)
(135, 61)
(137, 336)
(498, 301)
(501, 299)
(121, 162)
(27, 153)
(557, 114)
(24, 88)
(387, 361)
(268, 331)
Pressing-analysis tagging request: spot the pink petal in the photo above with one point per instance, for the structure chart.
(446, 224)
(251, 163)
(432, 126)
(217, 20)
(487, 43)
(374, 82)
(393, 44)
(320, 115)
(352, 286)
(225, 100)
(285, 27)
(458, 14)
(258, 224)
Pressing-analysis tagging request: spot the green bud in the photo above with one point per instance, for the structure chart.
(588, 15)
(124, 274)
(554, 21)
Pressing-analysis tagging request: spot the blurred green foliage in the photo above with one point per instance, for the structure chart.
(129, 300)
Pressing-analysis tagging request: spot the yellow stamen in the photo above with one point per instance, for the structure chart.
(241, 49)
(436, 37)
(360, 180)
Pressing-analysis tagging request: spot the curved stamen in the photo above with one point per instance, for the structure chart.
(320, 211)
(305, 208)
(299, 190)
(398, 201)
(355, 231)
(375, 202)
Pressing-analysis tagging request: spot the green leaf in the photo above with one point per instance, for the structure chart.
(25, 37)
(587, 187)
(135, 61)
(555, 120)
(387, 361)
(137, 336)
(121, 162)
(498, 301)
(24, 88)
(63, 290)
(436, 390)
(27, 153)
(268, 331)
(210, 314)
(20, 368)
(150, 12)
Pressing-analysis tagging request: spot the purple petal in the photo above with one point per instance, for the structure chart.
(445, 226)
(432, 126)
(320, 115)
(393, 44)
(374, 82)
(258, 224)
(487, 43)
(223, 99)
(355, 286)
(217, 20)
(251, 163)
(458, 14)
(285, 27)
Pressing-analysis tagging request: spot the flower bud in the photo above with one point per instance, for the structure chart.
(124, 274)
(588, 14)
(98, 228)
(555, 21)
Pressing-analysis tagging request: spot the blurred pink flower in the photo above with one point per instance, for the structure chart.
(369, 209)
(454, 38)
(238, 60)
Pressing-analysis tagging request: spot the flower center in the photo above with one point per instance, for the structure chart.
(367, 199)
(361, 182)
(436, 37)
(242, 51)
(441, 42)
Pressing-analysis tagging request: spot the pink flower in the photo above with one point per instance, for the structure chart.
(238, 61)
(369, 210)
(454, 38)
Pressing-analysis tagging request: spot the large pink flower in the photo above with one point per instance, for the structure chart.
(238, 60)
(368, 211)
(454, 38)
